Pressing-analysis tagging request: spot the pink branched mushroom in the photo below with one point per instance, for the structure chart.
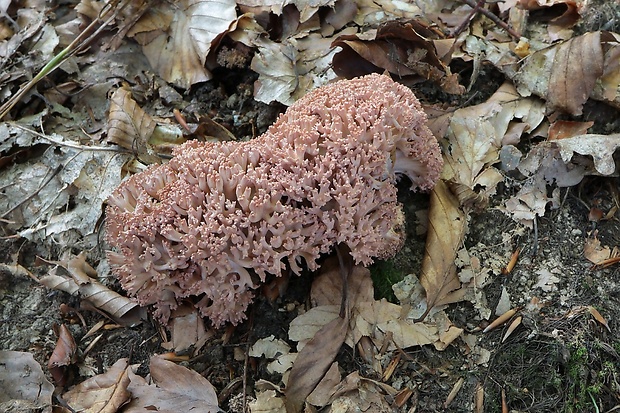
(219, 217)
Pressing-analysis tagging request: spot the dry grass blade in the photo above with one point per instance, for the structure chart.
(445, 235)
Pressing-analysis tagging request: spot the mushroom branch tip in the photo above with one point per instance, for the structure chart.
(210, 225)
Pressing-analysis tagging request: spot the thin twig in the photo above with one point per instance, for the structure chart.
(476, 6)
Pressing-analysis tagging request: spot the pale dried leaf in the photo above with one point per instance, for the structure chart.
(547, 279)
(178, 50)
(174, 389)
(378, 318)
(564, 74)
(267, 402)
(476, 134)
(22, 378)
(289, 69)
(104, 393)
(269, 347)
(278, 79)
(447, 226)
(306, 325)
(594, 251)
(600, 147)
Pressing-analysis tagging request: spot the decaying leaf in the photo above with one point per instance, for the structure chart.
(174, 388)
(267, 402)
(564, 74)
(22, 380)
(104, 393)
(63, 355)
(447, 226)
(475, 136)
(600, 147)
(76, 276)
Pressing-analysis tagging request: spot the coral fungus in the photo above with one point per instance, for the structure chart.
(215, 220)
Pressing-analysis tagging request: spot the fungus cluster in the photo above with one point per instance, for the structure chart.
(212, 223)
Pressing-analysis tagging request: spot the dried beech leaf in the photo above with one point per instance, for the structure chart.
(563, 129)
(564, 74)
(401, 48)
(377, 318)
(176, 39)
(104, 393)
(446, 231)
(327, 287)
(595, 252)
(289, 69)
(475, 136)
(63, 355)
(78, 277)
(129, 126)
(313, 362)
(22, 378)
(174, 389)
(187, 330)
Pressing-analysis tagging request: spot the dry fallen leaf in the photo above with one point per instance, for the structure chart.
(187, 330)
(64, 354)
(104, 393)
(177, 37)
(401, 48)
(447, 226)
(314, 361)
(174, 389)
(130, 127)
(563, 74)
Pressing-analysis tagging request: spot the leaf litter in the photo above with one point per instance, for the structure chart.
(56, 178)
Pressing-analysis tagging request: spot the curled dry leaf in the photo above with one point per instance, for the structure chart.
(104, 393)
(76, 276)
(187, 330)
(22, 379)
(63, 355)
(600, 147)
